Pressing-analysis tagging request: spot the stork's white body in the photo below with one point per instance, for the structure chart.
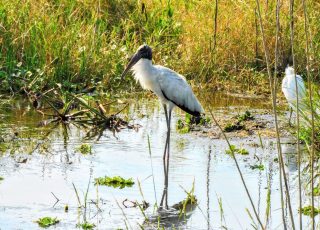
(171, 88)
(289, 88)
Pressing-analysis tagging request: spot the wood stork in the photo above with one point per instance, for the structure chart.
(289, 90)
(171, 88)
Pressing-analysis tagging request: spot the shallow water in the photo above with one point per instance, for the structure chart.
(53, 165)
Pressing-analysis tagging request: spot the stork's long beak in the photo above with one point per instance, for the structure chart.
(135, 58)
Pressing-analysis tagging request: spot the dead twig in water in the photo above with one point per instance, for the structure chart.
(57, 199)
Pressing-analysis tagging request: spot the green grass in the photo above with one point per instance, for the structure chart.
(77, 44)
(47, 221)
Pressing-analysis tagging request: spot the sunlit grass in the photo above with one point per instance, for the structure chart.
(81, 44)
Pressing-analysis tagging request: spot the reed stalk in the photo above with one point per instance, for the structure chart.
(273, 94)
(297, 108)
(306, 29)
(275, 90)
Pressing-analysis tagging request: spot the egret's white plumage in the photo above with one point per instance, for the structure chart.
(289, 89)
(171, 88)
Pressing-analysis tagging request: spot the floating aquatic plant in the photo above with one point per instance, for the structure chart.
(116, 181)
(47, 221)
(234, 149)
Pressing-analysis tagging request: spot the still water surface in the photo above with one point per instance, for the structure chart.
(28, 190)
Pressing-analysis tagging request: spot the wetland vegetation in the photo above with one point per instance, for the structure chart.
(67, 120)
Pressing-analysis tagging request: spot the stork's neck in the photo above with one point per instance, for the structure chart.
(144, 72)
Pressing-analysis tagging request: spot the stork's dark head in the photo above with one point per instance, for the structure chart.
(143, 52)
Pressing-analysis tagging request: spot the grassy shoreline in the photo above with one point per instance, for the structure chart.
(84, 44)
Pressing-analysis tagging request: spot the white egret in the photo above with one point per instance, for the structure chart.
(289, 89)
(171, 88)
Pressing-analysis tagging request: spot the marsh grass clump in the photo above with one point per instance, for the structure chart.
(116, 182)
(47, 221)
(85, 149)
(187, 204)
(307, 211)
(188, 124)
(233, 127)
(245, 117)
(1, 178)
(234, 149)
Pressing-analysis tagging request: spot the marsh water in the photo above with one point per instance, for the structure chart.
(42, 170)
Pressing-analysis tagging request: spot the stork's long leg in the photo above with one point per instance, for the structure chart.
(164, 159)
(168, 156)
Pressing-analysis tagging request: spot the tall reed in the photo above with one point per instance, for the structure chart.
(309, 78)
(274, 106)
